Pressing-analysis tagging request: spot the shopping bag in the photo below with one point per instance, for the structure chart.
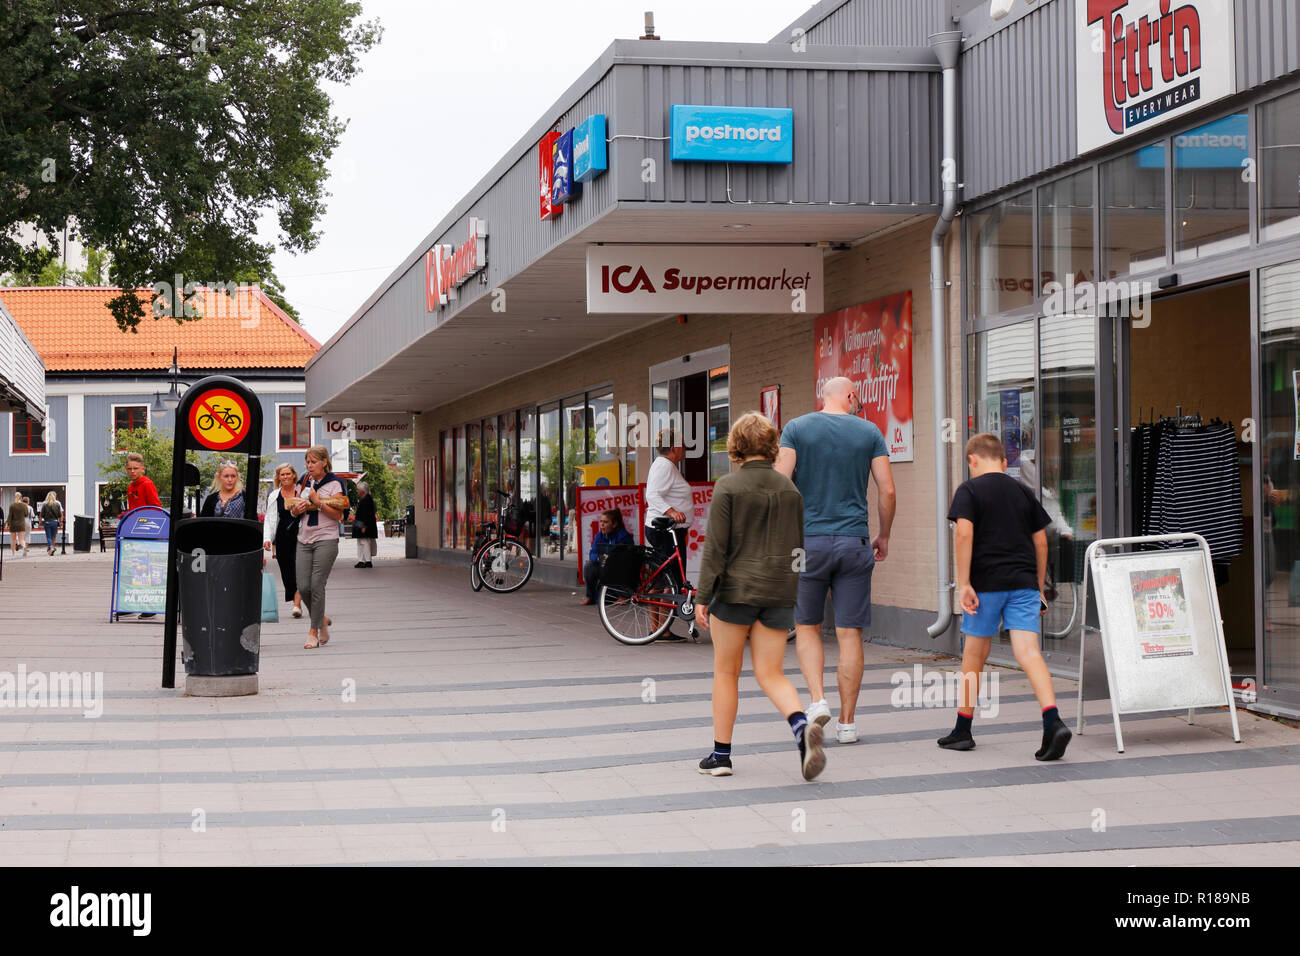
(270, 606)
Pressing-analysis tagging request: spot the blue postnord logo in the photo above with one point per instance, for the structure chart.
(727, 134)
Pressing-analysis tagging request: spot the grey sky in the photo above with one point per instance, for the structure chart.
(498, 64)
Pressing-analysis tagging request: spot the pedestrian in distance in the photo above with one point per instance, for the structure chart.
(31, 518)
(140, 491)
(226, 499)
(51, 515)
(612, 533)
(323, 502)
(832, 455)
(280, 532)
(17, 523)
(1001, 543)
(748, 589)
(365, 527)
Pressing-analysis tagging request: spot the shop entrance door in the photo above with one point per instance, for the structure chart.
(1184, 377)
(693, 393)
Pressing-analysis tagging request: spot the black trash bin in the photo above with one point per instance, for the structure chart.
(408, 532)
(82, 529)
(219, 570)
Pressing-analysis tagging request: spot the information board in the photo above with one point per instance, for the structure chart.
(141, 577)
(1161, 630)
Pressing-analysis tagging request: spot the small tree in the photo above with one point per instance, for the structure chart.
(382, 482)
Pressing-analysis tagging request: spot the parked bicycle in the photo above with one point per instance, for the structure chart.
(499, 561)
(644, 591)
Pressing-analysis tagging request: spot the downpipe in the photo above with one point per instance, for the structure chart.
(947, 46)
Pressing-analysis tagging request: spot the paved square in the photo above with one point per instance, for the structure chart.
(445, 726)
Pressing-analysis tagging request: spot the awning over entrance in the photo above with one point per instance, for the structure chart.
(865, 143)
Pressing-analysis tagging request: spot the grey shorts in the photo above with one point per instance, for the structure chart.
(841, 564)
(743, 615)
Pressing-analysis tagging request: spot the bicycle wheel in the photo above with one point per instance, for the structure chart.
(475, 579)
(504, 565)
(629, 619)
(1062, 609)
(205, 422)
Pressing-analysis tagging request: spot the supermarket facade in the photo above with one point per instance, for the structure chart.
(1057, 226)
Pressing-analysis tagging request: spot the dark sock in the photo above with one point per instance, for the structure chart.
(964, 722)
(1050, 716)
(798, 723)
(721, 750)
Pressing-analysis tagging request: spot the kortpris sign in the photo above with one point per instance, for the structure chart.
(872, 345)
(1140, 62)
(756, 280)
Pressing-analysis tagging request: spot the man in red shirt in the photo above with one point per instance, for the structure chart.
(141, 490)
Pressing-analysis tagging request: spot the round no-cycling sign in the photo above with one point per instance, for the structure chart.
(219, 419)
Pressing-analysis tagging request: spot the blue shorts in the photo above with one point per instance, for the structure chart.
(842, 565)
(1017, 611)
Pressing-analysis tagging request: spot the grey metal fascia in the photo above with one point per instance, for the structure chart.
(809, 18)
(651, 52)
(977, 25)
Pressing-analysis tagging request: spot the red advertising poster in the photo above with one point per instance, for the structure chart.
(545, 171)
(592, 500)
(872, 345)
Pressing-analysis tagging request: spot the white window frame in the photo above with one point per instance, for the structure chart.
(148, 420)
(49, 437)
(303, 406)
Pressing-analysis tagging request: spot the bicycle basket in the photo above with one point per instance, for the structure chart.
(513, 520)
(621, 566)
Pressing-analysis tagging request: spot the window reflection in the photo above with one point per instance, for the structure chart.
(1211, 198)
(1133, 212)
(1002, 256)
(1279, 167)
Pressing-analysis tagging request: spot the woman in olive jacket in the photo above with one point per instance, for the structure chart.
(748, 587)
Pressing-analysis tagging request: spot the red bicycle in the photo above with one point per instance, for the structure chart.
(644, 590)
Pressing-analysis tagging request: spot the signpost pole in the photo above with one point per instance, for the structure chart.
(173, 578)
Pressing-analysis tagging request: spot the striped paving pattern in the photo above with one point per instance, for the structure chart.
(444, 727)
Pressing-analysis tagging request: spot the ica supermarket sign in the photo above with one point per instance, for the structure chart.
(446, 269)
(1140, 62)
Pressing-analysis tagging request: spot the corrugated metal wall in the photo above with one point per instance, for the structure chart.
(1018, 86)
(1017, 100)
(516, 237)
(880, 123)
(882, 23)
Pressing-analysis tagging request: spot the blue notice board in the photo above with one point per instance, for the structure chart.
(731, 134)
(140, 563)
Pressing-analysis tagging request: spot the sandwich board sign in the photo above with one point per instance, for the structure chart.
(1161, 629)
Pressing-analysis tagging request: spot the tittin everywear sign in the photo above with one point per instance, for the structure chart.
(1140, 62)
(759, 280)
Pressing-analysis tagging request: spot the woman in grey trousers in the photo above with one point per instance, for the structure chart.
(318, 539)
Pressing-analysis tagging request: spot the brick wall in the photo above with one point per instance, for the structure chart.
(768, 350)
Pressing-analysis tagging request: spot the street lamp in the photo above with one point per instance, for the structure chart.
(173, 398)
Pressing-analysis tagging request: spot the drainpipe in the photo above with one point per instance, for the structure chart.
(947, 46)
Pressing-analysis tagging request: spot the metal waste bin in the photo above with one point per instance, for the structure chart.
(408, 532)
(83, 528)
(219, 571)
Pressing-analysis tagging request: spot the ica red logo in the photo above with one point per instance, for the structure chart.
(618, 278)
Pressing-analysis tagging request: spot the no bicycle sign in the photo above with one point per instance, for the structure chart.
(219, 419)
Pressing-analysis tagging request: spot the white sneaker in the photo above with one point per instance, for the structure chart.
(297, 611)
(846, 733)
(819, 713)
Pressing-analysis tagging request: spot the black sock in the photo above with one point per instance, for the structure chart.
(798, 723)
(721, 750)
(964, 722)
(1050, 717)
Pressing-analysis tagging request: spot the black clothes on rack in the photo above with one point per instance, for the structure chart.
(1186, 479)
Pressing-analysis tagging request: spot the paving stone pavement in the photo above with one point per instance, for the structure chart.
(445, 727)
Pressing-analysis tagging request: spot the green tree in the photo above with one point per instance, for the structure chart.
(55, 272)
(405, 451)
(382, 482)
(156, 446)
(165, 129)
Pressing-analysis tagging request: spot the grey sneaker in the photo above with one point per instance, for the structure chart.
(812, 756)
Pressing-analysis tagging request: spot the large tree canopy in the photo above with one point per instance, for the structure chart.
(164, 128)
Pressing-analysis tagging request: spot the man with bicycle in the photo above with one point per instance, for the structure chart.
(668, 494)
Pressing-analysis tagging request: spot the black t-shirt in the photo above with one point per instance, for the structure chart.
(1006, 515)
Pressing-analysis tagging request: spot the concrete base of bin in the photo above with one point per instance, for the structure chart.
(239, 685)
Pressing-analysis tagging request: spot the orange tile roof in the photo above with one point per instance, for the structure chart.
(73, 331)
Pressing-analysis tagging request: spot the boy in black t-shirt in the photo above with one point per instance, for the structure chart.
(1001, 565)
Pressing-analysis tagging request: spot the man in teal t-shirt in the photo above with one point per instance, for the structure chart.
(831, 455)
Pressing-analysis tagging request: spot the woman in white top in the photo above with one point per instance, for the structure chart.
(280, 533)
(668, 494)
